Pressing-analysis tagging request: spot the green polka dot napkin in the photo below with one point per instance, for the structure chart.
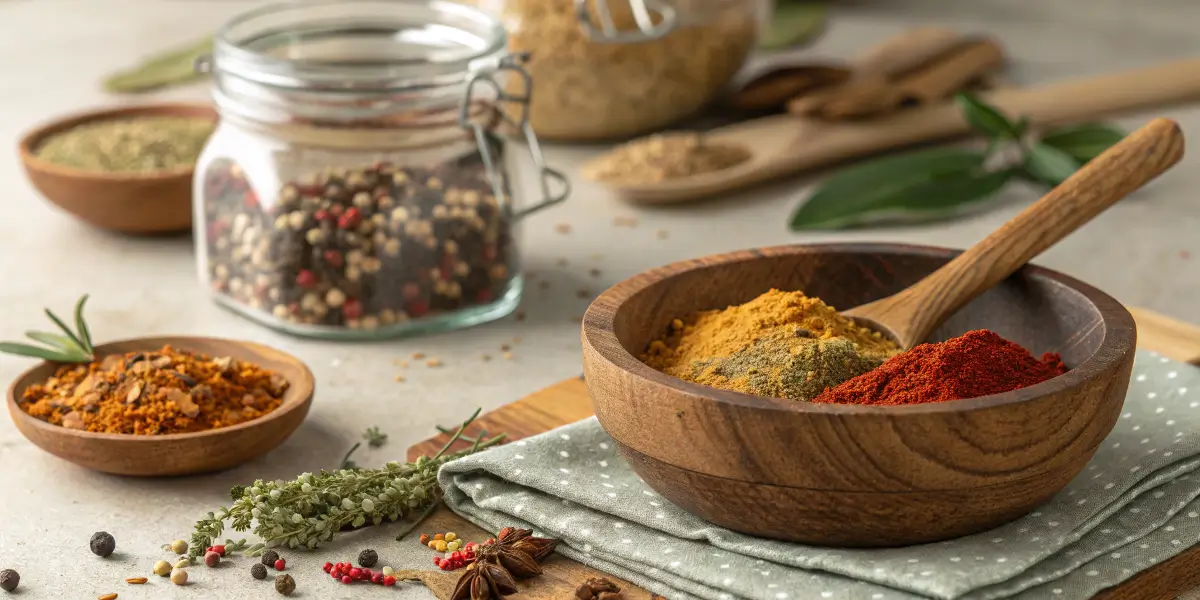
(1134, 506)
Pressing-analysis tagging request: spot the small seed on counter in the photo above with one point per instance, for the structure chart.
(562, 262)
(520, 316)
(583, 294)
(433, 362)
(505, 347)
(400, 379)
(625, 222)
(107, 597)
(563, 228)
(487, 357)
(663, 234)
(418, 355)
(544, 284)
(517, 339)
(136, 580)
(594, 272)
(508, 356)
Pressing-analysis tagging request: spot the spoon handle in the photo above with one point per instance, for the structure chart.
(914, 313)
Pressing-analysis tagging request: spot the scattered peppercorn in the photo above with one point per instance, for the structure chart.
(183, 563)
(389, 581)
(162, 568)
(9, 580)
(441, 546)
(284, 584)
(136, 580)
(280, 565)
(269, 557)
(179, 547)
(212, 558)
(425, 536)
(368, 558)
(179, 577)
(103, 544)
(388, 571)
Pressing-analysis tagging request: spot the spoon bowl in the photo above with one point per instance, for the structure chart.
(178, 453)
(857, 475)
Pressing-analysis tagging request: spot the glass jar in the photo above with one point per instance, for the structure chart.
(609, 69)
(356, 186)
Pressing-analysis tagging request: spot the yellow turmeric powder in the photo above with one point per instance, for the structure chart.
(780, 344)
(153, 393)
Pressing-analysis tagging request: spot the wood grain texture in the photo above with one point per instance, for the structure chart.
(787, 144)
(1028, 442)
(911, 315)
(560, 577)
(180, 453)
(129, 203)
(570, 400)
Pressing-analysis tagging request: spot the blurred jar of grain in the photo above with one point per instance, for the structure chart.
(611, 69)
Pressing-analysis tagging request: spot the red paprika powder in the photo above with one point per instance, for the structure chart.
(975, 364)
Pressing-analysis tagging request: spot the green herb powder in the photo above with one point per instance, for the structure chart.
(134, 145)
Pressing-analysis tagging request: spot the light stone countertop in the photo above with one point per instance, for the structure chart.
(52, 55)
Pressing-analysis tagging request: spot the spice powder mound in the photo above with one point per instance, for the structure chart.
(155, 393)
(781, 344)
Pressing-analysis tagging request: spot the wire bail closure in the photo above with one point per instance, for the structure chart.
(645, 13)
(546, 176)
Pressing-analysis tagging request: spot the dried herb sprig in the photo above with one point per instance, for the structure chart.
(375, 438)
(311, 509)
(68, 347)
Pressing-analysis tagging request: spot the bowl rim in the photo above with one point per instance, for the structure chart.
(32, 137)
(307, 380)
(1120, 334)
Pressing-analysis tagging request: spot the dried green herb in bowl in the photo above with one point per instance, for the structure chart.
(138, 144)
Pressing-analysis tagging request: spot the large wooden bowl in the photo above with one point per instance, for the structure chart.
(847, 475)
(179, 453)
(134, 203)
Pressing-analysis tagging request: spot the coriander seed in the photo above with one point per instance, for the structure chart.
(9, 580)
(284, 584)
(103, 544)
(162, 568)
(179, 547)
(368, 558)
(179, 577)
(258, 571)
(269, 557)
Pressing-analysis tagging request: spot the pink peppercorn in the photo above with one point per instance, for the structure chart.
(389, 581)
(219, 550)
(280, 565)
(212, 558)
(327, 567)
(355, 573)
(377, 579)
(346, 579)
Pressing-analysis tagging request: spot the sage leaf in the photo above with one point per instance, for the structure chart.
(986, 119)
(1083, 142)
(794, 22)
(1048, 164)
(860, 188)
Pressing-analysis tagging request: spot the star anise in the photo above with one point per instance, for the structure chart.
(484, 581)
(518, 551)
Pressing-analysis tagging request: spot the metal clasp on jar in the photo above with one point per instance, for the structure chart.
(645, 14)
(550, 179)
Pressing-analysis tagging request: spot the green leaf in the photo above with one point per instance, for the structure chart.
(1083, 142)
(794, 22)
(54, 340)
(861, 188)
(66, 330)
(930, 199)
(84, 335)
(39, 352)
(1049, 164)
(164, 69)
(986, 119)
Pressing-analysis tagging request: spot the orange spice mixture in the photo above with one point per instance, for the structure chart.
(154, 393)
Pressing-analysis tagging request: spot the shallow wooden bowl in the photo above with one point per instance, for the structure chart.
(181, 453)
(846, 475)
(155, 203)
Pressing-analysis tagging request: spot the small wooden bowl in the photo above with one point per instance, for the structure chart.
(179, 453)
(845, 475)
(151, 203)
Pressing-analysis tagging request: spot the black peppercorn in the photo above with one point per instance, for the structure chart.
(9, 580)
(269, 557)
(284, 584)
(103, 544)
(258, 571)
(368, 558)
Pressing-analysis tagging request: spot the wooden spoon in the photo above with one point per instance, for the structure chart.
(910, 316)
(782, 145)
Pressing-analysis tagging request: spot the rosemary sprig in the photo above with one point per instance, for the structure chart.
(310, 510)
(67, 347)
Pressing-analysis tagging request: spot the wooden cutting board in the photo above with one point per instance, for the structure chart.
(568, 401)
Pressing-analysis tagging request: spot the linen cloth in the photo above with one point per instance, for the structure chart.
(1133, 506)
